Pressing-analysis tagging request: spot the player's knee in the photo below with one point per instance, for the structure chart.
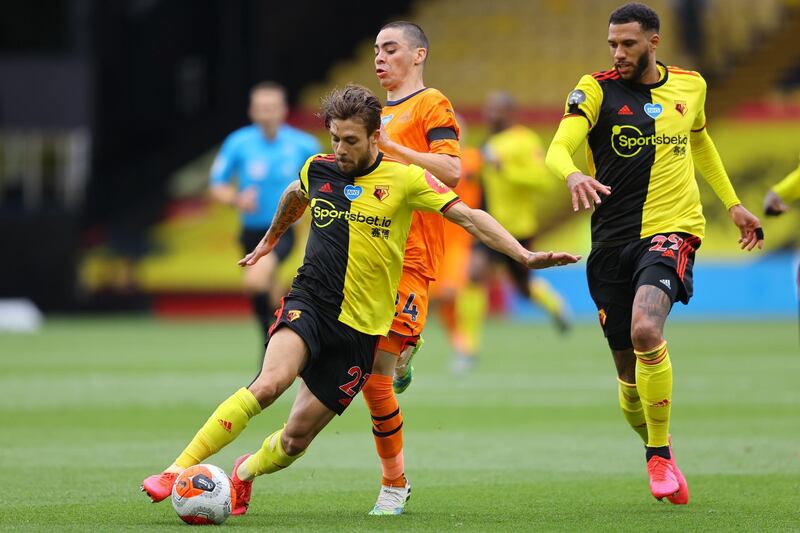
(295, 442)
(645, 335)
(384, 364)
(266, 390)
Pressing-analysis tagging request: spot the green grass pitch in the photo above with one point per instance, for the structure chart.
(531, 441)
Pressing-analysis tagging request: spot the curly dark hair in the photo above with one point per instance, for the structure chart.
(354, 101)
(636, 12)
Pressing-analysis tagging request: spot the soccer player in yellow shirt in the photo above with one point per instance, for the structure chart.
(514, 173)
(779, 196)
(341, 301)
(645, 127)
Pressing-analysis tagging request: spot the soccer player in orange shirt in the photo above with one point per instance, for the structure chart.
(419, 127)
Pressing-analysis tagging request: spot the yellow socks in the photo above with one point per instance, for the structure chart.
(654, 383)
(632, 408)
(547, 297)
(269, 459)
(224, 425)
(471, 304)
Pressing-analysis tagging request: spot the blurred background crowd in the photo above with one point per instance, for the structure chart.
(111, 114)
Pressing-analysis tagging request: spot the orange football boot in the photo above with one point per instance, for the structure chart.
(159, 486)
(663, 481)
(241, 488)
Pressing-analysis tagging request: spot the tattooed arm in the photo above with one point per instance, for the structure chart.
(291, 207)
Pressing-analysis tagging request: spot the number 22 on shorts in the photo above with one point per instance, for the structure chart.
(659, 241)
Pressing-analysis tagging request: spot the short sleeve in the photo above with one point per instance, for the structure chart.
(700, 118)
(304, 175)
(427, 193)
(440, 125)
(585, 100)
(226, 162)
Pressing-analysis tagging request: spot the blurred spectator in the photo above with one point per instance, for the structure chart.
(265, 158)
(775, 203)
(690, 14)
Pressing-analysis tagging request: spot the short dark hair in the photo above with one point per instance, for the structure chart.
(268, 86)
(636, 12)
(354, 101)
(416, 37)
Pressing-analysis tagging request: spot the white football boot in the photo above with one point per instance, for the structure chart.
(392, 500)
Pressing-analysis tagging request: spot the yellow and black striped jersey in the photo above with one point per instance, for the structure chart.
(359, 226)
(639, 145)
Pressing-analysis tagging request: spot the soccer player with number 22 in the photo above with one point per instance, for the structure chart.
(646, 129)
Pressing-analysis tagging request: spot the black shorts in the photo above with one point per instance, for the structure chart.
(249, 239)
(615, 273)
(340, 358)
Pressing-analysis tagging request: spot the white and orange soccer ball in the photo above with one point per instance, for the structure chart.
(203, 494)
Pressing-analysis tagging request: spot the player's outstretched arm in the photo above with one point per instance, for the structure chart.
(491, 233)
(291, 207)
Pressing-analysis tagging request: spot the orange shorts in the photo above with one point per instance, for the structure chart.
(410, 314)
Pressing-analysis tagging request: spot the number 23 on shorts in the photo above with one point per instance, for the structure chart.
(409, 308)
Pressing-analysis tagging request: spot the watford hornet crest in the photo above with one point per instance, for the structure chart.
(381, 192)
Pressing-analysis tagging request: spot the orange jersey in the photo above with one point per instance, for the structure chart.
(469, 190)
(425, 122)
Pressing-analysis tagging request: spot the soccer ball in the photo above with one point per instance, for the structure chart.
(203, 494)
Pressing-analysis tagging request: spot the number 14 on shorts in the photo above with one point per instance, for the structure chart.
(408, 308)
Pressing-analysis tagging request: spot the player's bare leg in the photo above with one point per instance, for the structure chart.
(307, 418)
(651, 307)
(285, 356)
